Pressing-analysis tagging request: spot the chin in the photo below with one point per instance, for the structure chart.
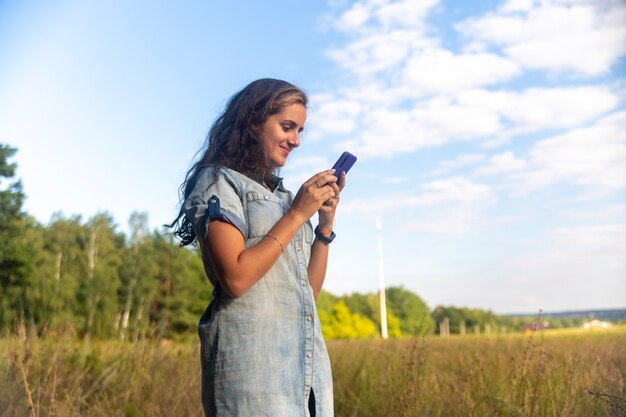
(280, 162)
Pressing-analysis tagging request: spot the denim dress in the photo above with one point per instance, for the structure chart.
(263, 353)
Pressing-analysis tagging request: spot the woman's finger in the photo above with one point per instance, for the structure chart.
(326, 179)
(335, 187)
(342, 181)
(332, 202)
(326, 192)
(320, 179)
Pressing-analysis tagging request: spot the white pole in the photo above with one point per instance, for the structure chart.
(381, 280)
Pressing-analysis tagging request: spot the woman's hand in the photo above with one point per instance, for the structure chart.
(318, 190)
(327, 211)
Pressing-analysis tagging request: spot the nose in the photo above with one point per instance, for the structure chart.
(294, 140)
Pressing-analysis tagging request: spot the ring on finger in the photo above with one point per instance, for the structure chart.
(318, 186)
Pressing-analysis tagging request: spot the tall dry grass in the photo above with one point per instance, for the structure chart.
(559, 374)
(67, 377)
(562, 374)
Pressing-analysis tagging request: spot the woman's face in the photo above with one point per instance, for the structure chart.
(280, 133)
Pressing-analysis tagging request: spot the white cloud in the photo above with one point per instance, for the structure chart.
(588, 156)
(450, 221)
(544, 108)
(383, 35)
(455, 191)
(395, 180)
(407, 93)
(335, 116)
(502, 163)
(586, 38)
(441, 71)
(405, 90)
(460, 161)
(517, 5)
(589, 248)
(407, 13)
(379, 51)
(388, 132)
(455, 205)
(414, 93)
(474, 114)
(382, 13)
(530, 72)
(354, 18)
(608, 239)
(453, 120)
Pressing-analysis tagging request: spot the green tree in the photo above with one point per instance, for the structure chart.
(325, 302)
(100, 286)
(411, 310)
(362, 304)
(16, 261)
(184, 290)
(139, 279)
(470, 319)
(12, 196)
(63, 267)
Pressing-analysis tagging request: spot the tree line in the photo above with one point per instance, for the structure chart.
(86, 277)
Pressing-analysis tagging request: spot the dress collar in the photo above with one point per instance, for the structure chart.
(276, 183)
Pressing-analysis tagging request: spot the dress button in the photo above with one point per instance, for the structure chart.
(309, 355)
(308, 318)
(266, 197)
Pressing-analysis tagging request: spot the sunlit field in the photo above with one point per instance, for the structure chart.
(563, 373)
(554, 373)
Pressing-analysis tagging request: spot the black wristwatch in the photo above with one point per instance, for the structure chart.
(323, 238)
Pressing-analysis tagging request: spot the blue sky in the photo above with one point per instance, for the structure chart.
(490, 134)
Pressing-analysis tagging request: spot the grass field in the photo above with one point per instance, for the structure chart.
(556, 373)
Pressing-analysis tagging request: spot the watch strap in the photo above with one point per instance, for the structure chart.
(323, 238)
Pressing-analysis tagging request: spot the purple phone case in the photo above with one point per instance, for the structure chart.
(344, 163)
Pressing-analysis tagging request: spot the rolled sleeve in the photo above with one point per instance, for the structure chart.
(215, 198)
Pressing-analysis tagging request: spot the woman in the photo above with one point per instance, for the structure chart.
(262, 348)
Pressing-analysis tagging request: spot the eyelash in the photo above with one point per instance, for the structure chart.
(287, 128)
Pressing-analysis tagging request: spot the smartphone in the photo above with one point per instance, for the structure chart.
(343, 164)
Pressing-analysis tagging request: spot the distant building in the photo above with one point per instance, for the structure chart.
(596, 324)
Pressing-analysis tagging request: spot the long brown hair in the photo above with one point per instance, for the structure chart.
(233, 142)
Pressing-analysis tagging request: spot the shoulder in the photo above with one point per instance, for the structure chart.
(213, 177)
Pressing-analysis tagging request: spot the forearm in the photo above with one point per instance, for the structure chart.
(239, 268)
(318, 264)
